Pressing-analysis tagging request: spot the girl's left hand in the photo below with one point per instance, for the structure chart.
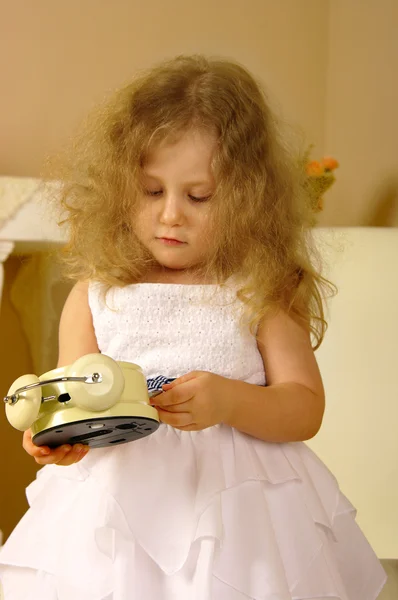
(194, 401)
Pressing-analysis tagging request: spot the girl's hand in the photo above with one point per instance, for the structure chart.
(64, 455)
(194, 401)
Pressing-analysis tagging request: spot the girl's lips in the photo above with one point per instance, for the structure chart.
(170, 241)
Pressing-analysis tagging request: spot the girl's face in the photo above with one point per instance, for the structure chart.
(173, 218)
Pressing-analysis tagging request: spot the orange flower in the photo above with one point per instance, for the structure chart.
(315, 168)
(329, 163)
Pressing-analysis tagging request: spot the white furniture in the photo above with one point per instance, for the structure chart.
(29, 229)
(358, 361)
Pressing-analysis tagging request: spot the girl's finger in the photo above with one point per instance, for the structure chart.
(182, 379)
(175, 419)
(64, 455)
(54, 457)
(181, 394)
(31, 448)
(169, 386)
(37, 451)
(74, 456)
(27, 440)
(184, 407)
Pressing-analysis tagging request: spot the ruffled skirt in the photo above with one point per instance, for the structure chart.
(208, 515)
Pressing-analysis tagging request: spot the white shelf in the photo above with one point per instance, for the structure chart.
(32, 228)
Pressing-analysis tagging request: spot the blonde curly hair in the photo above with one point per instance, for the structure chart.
(261, 211)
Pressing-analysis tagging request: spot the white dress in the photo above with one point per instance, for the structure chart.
(208, 515)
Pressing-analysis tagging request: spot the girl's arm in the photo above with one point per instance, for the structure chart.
(76, 338)
(76, 330)
(291, 407)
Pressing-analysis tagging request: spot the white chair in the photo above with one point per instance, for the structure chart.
(359, 363)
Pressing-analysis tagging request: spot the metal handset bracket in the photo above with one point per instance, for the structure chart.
(89, 379)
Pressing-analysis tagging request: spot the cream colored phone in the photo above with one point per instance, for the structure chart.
(95, 401)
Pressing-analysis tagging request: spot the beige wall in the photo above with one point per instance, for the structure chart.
(361, 125)
(330, 66)
(59, 58)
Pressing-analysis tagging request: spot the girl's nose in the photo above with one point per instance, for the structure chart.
(172, 210)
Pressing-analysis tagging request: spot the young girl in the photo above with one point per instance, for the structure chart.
(190, 245)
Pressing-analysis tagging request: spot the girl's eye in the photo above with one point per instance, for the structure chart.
(199, 199)
(193, 198)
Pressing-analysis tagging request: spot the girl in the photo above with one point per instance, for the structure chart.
(189, 241)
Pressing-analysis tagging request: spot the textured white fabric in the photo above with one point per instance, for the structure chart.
(207, 515)
(170, 329)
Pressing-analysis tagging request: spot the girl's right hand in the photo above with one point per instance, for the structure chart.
(63, 455)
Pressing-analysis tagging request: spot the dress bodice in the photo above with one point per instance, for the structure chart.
(171, 329)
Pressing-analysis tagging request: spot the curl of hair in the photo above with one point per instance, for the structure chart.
(261, 212)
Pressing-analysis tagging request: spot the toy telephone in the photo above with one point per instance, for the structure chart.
(95, 401)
